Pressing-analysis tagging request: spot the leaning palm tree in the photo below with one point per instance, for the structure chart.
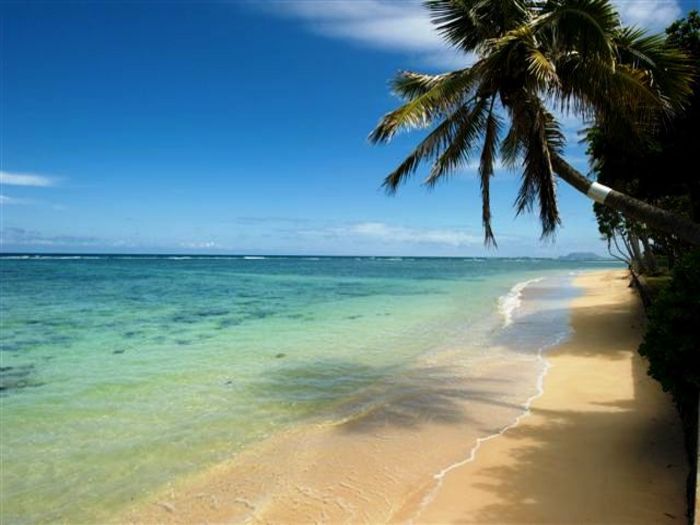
(531, 57)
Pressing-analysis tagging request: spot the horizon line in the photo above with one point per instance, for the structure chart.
(290, 255)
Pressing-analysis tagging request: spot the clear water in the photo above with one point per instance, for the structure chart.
(120, 374)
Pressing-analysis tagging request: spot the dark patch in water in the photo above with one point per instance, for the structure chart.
(183, 318)
(59, 340)
(120, 351)
(295, 316)
(227, 323)
(280, 355)
(183, 342)
(16, 378)
(132, 333)
(260, 314)
(354, 293)
(353, 317)
(212, 312)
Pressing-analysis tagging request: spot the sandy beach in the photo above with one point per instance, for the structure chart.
(601, 444)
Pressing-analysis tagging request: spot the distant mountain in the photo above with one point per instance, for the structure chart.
(582, 256)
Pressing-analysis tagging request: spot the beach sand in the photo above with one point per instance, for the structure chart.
(601, 445)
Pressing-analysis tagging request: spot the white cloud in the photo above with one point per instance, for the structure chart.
(405, 26)
(200, 245)
(26, 179)
(650, 14)
(392, 234)
(391, 25)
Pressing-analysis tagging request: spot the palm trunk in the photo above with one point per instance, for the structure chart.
(649, 257)
(638, 260)
(656, 218)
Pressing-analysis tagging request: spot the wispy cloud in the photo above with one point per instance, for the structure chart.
(651, 14)
(201, 245)
(26, 179)
(405, 26)
(386, 232)
(29, 239)
(20, 236)
(6, 200)
(395, 234)
(390, 25)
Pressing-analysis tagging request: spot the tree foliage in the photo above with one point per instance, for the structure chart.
(657, 167)
(532, 57)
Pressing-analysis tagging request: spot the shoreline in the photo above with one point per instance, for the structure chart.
(460, 411)
(632, 470)
(440, 476)
(333, 472)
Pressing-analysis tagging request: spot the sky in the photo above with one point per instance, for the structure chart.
(241, 127)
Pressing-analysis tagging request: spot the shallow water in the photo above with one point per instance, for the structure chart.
(120, 374)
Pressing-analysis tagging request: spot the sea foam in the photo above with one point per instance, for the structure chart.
(507, 304)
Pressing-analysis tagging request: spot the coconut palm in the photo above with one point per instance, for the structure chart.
(531, 58)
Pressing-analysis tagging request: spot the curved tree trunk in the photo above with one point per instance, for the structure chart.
(652, 216)
(640, 267)
(649, 257)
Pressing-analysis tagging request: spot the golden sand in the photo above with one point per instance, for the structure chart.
(601, 445)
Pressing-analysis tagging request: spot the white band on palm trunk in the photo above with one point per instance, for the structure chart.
(598, 192)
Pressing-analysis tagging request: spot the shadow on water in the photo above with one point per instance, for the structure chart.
(411, 397)
(369, 397)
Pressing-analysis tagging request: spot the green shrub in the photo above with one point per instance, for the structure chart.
(672, 341)
(672, 345)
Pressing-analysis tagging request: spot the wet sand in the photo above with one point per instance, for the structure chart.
(601, 445)
(361, 470)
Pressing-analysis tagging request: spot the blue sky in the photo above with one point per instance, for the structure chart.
(239, 127)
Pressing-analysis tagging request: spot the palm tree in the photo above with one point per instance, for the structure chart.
(573, 55)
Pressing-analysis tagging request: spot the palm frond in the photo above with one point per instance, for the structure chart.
(458, 151)
(454, 21)
(409, 85)
(427, 149)
(488, 153)
(467, 23)
(541, 137)
(582, 25)
(594, 88)
(542, 68)
(668, 72)
(511, 148)
(441, 97)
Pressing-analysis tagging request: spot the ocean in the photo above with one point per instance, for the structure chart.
(121, 374)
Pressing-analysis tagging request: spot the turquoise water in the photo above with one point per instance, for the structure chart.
(120, 374)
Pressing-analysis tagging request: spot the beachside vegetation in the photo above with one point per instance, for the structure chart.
(634, 163)
(671, 341)
(665, 268)
(532, 59)
(672, 346)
